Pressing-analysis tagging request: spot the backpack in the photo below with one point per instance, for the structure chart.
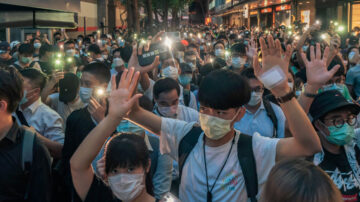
(186, 95)
(271, 114)
(245, 156)
(27, 156)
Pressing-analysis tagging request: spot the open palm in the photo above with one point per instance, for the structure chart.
(316, 69)
(272, 55)
(121, 98)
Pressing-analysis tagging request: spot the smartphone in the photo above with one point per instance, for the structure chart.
(158, 49)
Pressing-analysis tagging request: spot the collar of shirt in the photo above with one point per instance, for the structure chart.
(262, 107)
(32, 108)
(12, 133)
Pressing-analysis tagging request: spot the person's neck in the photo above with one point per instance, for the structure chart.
(37, 51)
(187, 87)
(254, 108)
(332, 148)
(216, 143)
(74, 101)
(144, 197)
(6, 123)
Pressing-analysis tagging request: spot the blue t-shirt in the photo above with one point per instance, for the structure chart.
(353, 78)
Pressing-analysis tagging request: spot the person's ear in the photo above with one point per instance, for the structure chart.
(321, 127)
(241, 114)
(3, 106)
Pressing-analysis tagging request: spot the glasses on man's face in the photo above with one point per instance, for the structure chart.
(257, 89)
(339, 122)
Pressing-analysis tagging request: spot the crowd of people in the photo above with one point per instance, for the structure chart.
(204, 113)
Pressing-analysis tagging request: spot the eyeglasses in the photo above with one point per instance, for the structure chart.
(339, 122)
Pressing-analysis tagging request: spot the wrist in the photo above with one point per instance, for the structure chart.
(281, 91)
(312, 88)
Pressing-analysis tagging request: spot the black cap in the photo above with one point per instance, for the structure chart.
(4, 46)
(69, 87)
(329, 101)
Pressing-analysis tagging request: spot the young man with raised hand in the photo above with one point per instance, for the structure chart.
(213, 162)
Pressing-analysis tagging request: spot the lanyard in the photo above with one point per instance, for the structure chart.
(209, 195)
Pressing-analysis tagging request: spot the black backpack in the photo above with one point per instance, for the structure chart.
(186, 95)
(245, 155)
(27, 157)
(271, 114)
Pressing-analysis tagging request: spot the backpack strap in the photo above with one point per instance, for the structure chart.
(18, 67)
(32, 64)
(271, 114)
(27, 156)
(186, 95)
(186, 145)
(248, 165)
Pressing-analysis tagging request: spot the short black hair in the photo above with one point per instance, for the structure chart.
(248, 73)
(56, 33)
(165, 85)
(99, 70)
(26, 48)
(45, 48)
(37, 78)
(218, 42)
(337, 61)
(94, 48)
(193, 45)
(128, 150)
(11, 87)
(69, 42)
(224, 89)
(238, 48)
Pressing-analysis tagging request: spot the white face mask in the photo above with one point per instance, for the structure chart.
(215, 128)
(170, 72)
(219, 52)
(70, 52)
(169, 112)
(238, 62)
(255, 98)
(127, 187)
(85, 94)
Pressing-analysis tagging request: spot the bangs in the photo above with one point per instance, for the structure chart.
(125, 151)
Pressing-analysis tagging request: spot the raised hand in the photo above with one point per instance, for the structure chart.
(251, 48)
(316, 69)
(272, 56)
(121, 98)
(96, 109)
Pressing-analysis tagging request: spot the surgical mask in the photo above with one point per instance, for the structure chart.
(105, 57)
(77, 55)
(185, 79)
(192, 65)
(128, 127)
(219, 52)
(117, 62)
(70, 52)
(37, 45)
(23, 99)
(215, 128)
(169, 112)
(341, 136)
(103, 42)
(238, 62)
(255, 98)
(85, 94)
(305, 48)
(26, 60)
(126, 187)
(334, 86)
(108, 48)
(201, 47)
(170, 72)
(298, 93)
(351, 55)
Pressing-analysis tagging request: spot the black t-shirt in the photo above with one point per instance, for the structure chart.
(100, 192)
(339, 170)
(46, 67)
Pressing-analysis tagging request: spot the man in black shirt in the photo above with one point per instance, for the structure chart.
(5, 57)
(20, 180)
(334, 118)
(81, 122)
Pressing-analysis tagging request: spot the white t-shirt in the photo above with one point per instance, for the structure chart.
(231, 185)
